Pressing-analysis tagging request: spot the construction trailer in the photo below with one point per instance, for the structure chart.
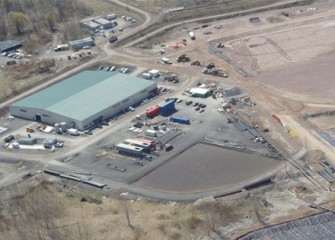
(129, 150)
(153, 112)
(200, 92)
(79, 44)
(137, 143)
(150, 133)
(167, 108)
(181, 120)
(61, 47)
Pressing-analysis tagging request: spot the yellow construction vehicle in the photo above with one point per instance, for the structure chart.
(30, 130)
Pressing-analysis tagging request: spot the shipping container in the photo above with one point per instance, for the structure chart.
(27, 141)
(153, 112)
(181, 120)
(277, 118)
(167, 108)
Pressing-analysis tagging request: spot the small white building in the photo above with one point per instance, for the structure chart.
(129, 150)
(200, 92)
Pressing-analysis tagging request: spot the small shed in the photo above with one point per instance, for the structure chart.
(200, 92)
(9, 45)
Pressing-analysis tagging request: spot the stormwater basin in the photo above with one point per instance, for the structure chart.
(206, 167)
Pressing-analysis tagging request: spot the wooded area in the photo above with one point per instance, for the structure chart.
(37, 19)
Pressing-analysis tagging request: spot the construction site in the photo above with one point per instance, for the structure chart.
(227, 119)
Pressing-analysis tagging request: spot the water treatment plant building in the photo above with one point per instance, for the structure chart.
(85, 99)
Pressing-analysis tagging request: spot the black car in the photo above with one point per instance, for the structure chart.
(113, 39)
(188, 102)
(168, 148)
(9, 139)
(203, 105)
(195, 104)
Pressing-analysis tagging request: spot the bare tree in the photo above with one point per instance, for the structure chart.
(18, 19)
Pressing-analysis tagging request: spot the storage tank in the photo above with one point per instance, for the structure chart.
(167, 108)
(151, 133)
(152, 112)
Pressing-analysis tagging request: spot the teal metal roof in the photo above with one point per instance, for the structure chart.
(85, 93)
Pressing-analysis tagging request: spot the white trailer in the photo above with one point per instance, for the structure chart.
(129, 150)
(192, 35)
(166, 60)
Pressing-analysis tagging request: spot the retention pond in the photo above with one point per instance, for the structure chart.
(206, 167)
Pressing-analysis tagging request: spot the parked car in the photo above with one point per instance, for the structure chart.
(9, 139)
(168, 148)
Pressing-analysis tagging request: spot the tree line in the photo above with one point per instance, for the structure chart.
(39, 17)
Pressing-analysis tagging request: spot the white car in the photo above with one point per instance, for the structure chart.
(87, 47)
(131, 109)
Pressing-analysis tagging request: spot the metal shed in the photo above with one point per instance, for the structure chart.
(9, 45)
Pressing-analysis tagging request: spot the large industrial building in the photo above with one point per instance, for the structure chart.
(85, 99)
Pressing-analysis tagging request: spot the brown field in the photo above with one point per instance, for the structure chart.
(296, 59)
